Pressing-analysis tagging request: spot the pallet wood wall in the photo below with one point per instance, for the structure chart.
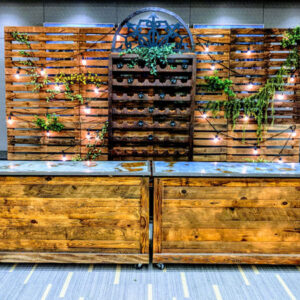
(60, 49)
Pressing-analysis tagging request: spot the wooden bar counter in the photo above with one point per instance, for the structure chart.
(74, 212)
(226, 213)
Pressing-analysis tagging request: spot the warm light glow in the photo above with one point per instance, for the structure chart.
(246, 118)
(280, 160)
(43, 72)
(88, 135)
(206, 49)
(212, 67)
(83, 61)
(292, 79)
(118, 38)
(87, 109)
(280, 96)
(216, 139)
(250, 85)
(64, 158)
(88, 163)
(17, 75)
(96, 90)
(49, 165)
(97, 138)
(57, 88)
(10, 120)
(48, 133)
(255, 151)
(204, 116)
(294, 133)
(248, 51)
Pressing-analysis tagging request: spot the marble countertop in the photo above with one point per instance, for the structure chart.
(225, 169)
(93, 168)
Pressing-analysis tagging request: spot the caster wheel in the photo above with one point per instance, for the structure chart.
(160, 266)
(138, 266)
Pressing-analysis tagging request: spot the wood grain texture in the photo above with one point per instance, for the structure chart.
(99, 215)
(241, 220)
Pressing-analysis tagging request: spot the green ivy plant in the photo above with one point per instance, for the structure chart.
(256, 105)
(93, 151)
(51, 123)
(151, 56)
(21, 38)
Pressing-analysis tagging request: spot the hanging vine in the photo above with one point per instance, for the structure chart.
(258, 104)
(51, 123)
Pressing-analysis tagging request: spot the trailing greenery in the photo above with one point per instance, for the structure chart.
(258, 160)
(256, 105)
(151, 56)
(51, 123)
(21, 38)
(93, 151)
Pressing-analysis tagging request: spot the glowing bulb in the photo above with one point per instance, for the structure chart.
(216, 139)
(255, 151)
(204, 116)
(96, 90)
(64, 158)
(49, 165)
(248, 51)
(10, 120)
(48, 133)
(57, 88)
(206, 49)
(281, 96)
(213, 66)
(250, 85)
(87, 109)
(43, 72)
(246, 118)
(294, 133)
(280, 160)
(88, 163)
(88, 135)
(83, 61)
(17, 75)
(292, 79)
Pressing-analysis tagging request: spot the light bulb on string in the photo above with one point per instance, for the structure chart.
(280, 160)
(280, 96)
(83, 60)
(292, 79)
(248, 51)
(96, 90)
(17, 75)
(64, 158)
(97, 138)
(206, 49)
(213, 67)
(57, 87)
(246, 118)
(87, 109)
(216, 139)
(294, 133)
(204, 116)
(10, 120)
(88, 135)
(48, 133)
(255, 151)
(250, 84)
(43, 72)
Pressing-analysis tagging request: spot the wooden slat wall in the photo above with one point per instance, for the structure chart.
(226, 46)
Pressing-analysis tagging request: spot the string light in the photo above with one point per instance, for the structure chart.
(216, 139)
(57, 87)
(96, 90)
(97, 138)
(213, 66)
(250, 85)
(88, 135)
(17, 75)
(83, 60)
(87, 109)
(248, 51)
(246, 118)
(281, 96)
(43, 72)
(64, 158)
(48, 133)
(280, 160)
(255, 151)
(292, 79)
(10, 120)
(294, 133)
(206, 49)
(204, 116)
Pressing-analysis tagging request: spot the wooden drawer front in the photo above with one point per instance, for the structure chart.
(227, 216)
(74, 214)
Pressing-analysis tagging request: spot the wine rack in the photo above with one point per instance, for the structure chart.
(151, 116)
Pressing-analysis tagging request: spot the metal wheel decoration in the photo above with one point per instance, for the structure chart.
(152, 31)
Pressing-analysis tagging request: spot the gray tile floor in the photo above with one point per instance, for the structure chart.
(176, 282)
